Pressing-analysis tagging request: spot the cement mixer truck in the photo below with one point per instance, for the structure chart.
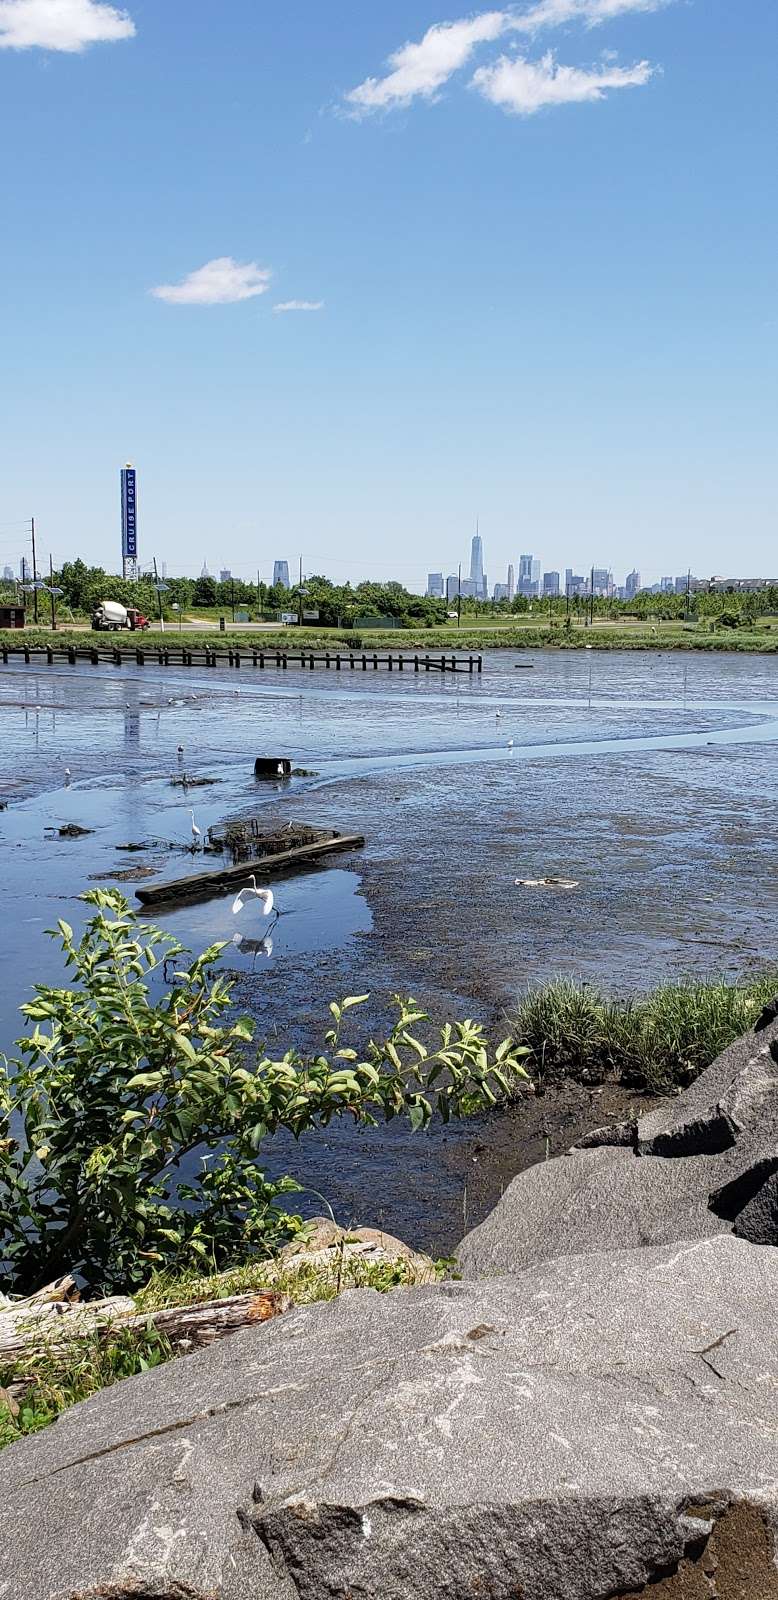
(109, 617)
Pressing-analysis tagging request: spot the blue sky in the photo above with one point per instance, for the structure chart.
(541, 242)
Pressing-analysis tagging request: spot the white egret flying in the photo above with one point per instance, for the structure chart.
(264, 896)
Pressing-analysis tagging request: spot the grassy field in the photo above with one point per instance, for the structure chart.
(511, 634)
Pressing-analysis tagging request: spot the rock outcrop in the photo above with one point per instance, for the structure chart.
(579, 1431)
(706, 1162)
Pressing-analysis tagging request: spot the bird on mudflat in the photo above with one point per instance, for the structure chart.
(250, 891)
(196, 833)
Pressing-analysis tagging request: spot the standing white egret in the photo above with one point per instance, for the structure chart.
(264, 896)
(196, 834)
(498, 715)
(67, 774)
(510, 744)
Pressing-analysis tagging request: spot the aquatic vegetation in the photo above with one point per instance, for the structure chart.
(658, 1042)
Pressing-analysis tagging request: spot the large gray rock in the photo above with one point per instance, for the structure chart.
(570, 1434)
(704, 1162)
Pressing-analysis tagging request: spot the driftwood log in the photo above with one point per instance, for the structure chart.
(47, 1323)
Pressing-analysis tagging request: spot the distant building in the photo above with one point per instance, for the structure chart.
(468, 589)
(484, 587)
(452, 586)
(536, 574)
(435, 586)
(205, 573)
(528, 582)
(281, 574)
(511, 584)
(665, 587)
(477, 564)
(502, 592)
(601, 582)
(551, 583)
(681, 584)
(575, 583)
(8, 574)
(225, 575)
(632, 585)
(163, 571)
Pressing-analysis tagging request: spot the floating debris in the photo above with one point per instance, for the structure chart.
(182, 780)
(546, 883)
(70, 830)
(127, 875)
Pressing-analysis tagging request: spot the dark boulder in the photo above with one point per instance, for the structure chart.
(704, 1162)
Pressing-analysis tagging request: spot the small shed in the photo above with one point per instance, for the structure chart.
(12, 616)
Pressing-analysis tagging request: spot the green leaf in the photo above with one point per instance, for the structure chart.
(185, 1046)
(353, 1000)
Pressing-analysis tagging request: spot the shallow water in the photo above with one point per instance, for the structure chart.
(648, 779)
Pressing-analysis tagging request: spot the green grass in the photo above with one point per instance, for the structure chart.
(517, 634)
(58, 1380)
(660, 1042)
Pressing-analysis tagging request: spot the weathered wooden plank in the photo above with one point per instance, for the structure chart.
(202, 884)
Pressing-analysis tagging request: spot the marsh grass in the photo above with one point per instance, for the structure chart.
(659, 1042)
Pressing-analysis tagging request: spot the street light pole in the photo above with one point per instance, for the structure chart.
(34, 573)
(459, 596)
(51, 592)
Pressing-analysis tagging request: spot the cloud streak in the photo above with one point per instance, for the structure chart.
(66, 25)
(298, 305)
(420, 70)
(220, 282)
(523, 87)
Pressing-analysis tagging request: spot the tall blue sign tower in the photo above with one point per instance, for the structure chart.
(129, 522)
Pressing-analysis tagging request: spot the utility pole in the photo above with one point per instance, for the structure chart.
(300, 598)
(51, 592)
(34, 573)
(232, 597)
(591, 607)
(159, 595)
(567, 602)
(688, 593)
(459, 596)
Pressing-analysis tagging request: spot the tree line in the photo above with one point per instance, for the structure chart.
(341, 605)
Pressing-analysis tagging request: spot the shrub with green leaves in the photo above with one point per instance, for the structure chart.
(131, 1123)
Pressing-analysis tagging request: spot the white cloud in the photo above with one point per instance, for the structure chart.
(299, 305)
(219, 283)
(523, 87)
(592, 13)
(423, 68)
(69, 25)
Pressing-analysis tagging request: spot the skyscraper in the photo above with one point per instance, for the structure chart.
(452, 586)
(511, 584)
(529, 575)
(281, 574)
(435, 585)
(477, 563)
(551, 583)
(632, 585)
